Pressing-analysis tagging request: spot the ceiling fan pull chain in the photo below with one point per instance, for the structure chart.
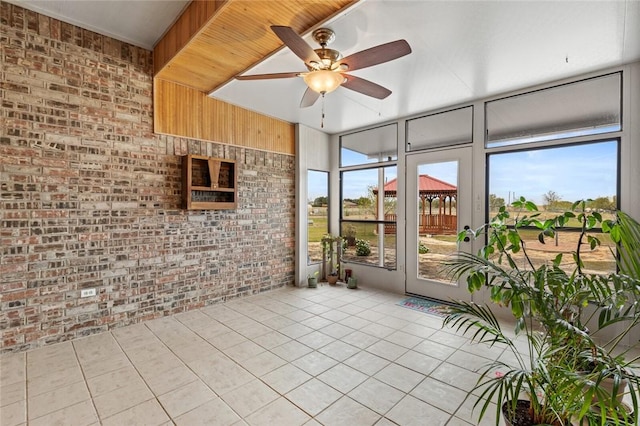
(322, 119)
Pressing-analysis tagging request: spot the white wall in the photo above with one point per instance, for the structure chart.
(312, 153)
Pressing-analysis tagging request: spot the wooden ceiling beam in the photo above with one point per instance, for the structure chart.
(213, 41)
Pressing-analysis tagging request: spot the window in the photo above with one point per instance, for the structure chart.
(553, 178)
(368, 205)
(369, 146)
(369, 216)
(442, 129)
(587, 107)
(317, 214)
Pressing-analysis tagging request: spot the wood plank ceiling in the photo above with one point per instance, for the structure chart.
(213, 41)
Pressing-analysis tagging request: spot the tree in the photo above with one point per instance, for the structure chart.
(320, 201)
(495, 202)
(602, 203)
(363, 202)
(550, 199)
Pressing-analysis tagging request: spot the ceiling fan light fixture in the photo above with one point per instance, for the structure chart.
(323, 81)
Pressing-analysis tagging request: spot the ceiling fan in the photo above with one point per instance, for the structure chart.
(327, 68)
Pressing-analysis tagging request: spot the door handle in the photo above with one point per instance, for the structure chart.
(466, 238)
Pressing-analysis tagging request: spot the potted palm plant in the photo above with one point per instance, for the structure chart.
(559, 377)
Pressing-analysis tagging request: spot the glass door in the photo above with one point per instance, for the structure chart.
(439, 205)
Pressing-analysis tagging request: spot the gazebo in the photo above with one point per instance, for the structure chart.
(444, 221)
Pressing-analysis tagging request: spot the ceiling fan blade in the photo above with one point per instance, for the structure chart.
(267, 76)
(365, 87)
(309, 98)
(297, 45)
(377, 55)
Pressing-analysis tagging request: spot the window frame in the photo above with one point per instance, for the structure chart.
(342, 221)
(560, 143)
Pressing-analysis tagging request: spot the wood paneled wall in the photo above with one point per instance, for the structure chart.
(182, 111)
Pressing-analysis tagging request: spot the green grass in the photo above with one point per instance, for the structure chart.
(318, 229)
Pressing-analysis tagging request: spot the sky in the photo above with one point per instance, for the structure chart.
(573, 172)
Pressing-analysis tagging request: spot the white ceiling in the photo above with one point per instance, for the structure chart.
(462, 50)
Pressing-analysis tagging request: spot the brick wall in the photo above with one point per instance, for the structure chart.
(90, 196)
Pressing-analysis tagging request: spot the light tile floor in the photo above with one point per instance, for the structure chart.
(293, 356)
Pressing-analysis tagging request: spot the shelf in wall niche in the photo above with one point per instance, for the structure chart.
(209, 183)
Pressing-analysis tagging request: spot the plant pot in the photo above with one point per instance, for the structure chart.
(607, 385)
(332, 279)
(312, 282)
(352, 283)
(522, 416)
(627, 416)
(347, 274)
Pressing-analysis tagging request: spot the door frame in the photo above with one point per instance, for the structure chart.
(413, 283)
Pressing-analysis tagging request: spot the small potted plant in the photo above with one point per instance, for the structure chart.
(331, 257)
(312, 280)
(551, 305)
(352, 282)
(334, 276)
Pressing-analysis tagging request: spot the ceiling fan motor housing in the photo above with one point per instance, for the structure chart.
(328, 58)
(324, 37)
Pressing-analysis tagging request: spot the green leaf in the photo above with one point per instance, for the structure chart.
(520, 325)
(517, 308)
(615, 234)
(496, 294)
(470, 284)
(514, 238)
(557, 260)
(475, 281)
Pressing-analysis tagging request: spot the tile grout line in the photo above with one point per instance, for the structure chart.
(86, 383)
(139, 375)
(26, 388)
(173, 318)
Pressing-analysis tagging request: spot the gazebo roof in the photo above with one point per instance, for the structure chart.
(428, 186)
